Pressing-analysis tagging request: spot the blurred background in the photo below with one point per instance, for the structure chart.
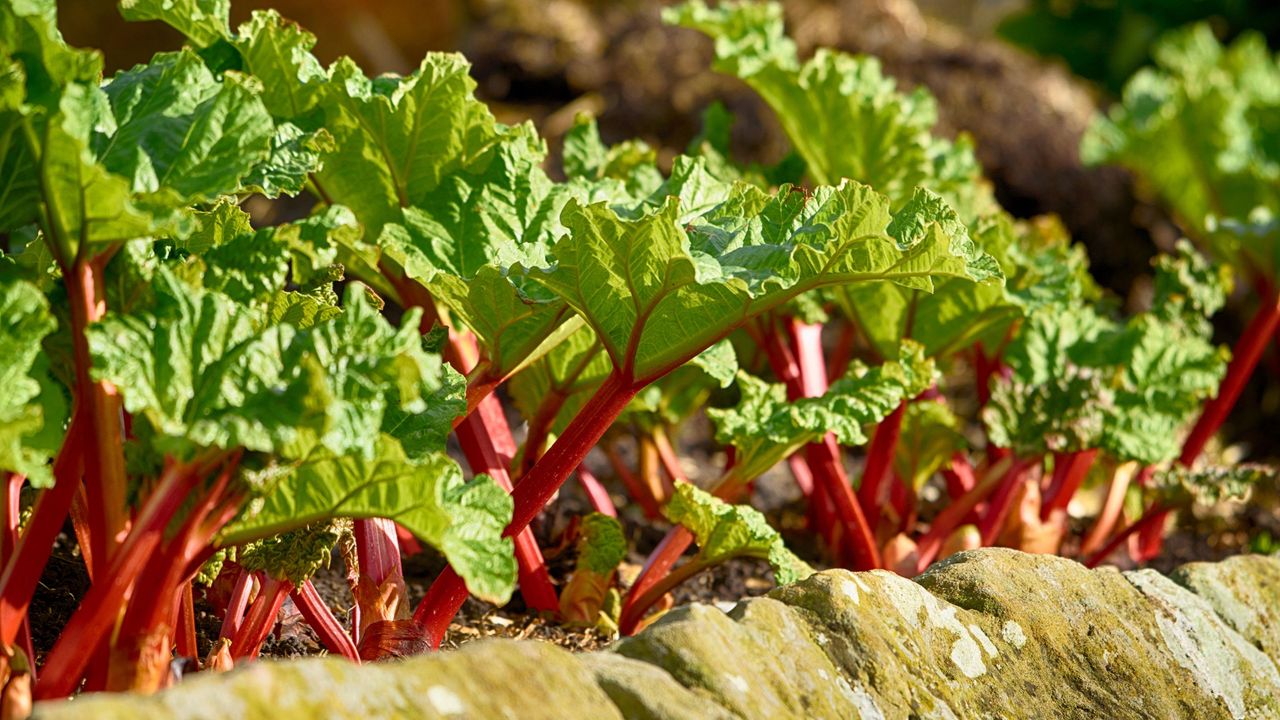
(1023, 77)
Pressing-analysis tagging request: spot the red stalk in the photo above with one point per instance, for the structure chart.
(448, 592)
(26, 563)
(656, 567)
(650, 475)
(237, 604)
(670, 460)
(646, 599)
(186, 638)
(1151, 537)
(596, 493)
(261, 617)
(380, 590)
(873, 491)
(101, 606)
(1069, 471)
(1244, 358)
(104, 476)
(990, 524)
(804, 372)
(1112, 506)
(1155, 515)
(321, 619)
(487, 442)
(485, 438)
(959, 475)
(858, 539)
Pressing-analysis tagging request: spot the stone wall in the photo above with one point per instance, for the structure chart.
(987, 634)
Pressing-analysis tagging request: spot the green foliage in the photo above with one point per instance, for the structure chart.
(1200, 130)
(33, 408)
(1183, 487)
(765, 427)
(723, 531)
(601, 547)
(1080, 381)
(844, 117)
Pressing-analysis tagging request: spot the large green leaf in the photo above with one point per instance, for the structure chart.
(842, 114)
(1200, 131)
(204, 22)
(181, 129)
(1079, 380)
(278, 53)
(32, 408)
(657, 294)
(397, 139)
(426, 495)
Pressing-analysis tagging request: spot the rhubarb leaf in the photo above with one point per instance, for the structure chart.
(1179, 486)
(1199, 130)
(844, 117)
(1189, 289)
(294, 556)
(198, 372)
(427, 496)
(601, 547)
(179, 128)
(1080, 381)
(32, 409)
(723, 531)
(204, 22)
(765, 427)
(396, 139)
(658, 295)
(278, 53)
(930, 435)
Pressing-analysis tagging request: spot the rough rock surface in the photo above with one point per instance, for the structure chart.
(987, 634)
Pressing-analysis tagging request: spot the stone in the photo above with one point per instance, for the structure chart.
(759, 661)
(1223, 663)
(490, 679)
(986, 634)
(1093, 645)
(646, 692)
(1245, 592)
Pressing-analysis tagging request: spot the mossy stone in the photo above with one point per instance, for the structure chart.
(490, 679)
(1245, 592)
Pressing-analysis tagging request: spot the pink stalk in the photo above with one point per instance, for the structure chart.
(992, 521)
(803, 372)
(409, 545)
(448, 592)
(237, 603)
(261, 617)
(1155, 515)
(487, 442)
(959, 475)
(1069, 471)
(101, 606)
(1112, 508)
(321, 619)
(953, 516)
(1244, 358)
(185, 638)
(873, 492)
(656, 567)
(596, 492)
